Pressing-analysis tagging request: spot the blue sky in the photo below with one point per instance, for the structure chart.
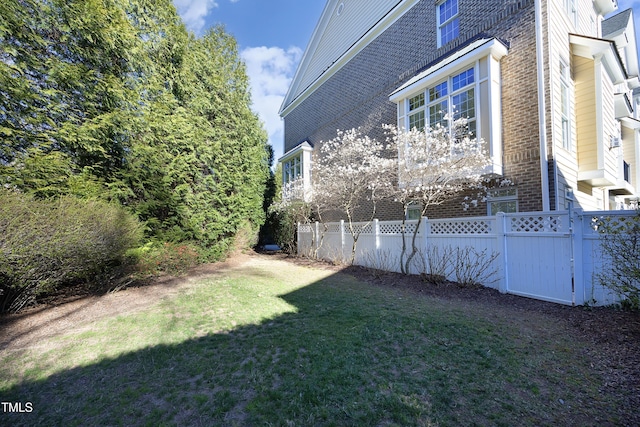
(272, 35)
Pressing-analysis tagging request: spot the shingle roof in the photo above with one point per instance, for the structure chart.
(615, 23)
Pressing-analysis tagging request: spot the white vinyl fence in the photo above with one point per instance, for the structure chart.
(551, 256)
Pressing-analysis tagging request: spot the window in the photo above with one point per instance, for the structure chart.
(448, 21)
(565, 196)
(626, 170)
(454, 97)
(502, 200)
(296, 172)
(565, 106)
(572, 11)
(292, 169)
(413, 211)
(416, 116)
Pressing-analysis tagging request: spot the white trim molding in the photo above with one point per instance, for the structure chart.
(295, 95)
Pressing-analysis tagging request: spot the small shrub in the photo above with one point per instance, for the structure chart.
(620, 241)
(153, 259)
(246, 237)
(475, 268)
(282, 221)
(47, 244)
(435, 262)
(380, 262)
(468, 266)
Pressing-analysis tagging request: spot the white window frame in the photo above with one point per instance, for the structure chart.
(500, 196)
(572, 11)
(423, 107)
(414, 211)
(292, 169)
(296, 172)
(566, 95)
(447, 22)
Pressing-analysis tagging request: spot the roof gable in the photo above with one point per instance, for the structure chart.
(616, 23)
(620, 28)
(341, 29)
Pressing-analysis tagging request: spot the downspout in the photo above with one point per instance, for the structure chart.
(544, 171)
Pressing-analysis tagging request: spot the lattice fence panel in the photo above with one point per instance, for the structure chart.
(461, 227)
(536, 224)
(366, 228)
(396, 228)
(306, 228)
(615, 224)
(333, 228)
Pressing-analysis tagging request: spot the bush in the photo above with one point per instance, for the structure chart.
(48, 244)
(470, 267)
(153, 259)
(282, 223)
(620, 240)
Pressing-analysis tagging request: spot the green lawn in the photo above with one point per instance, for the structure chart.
(272, 343)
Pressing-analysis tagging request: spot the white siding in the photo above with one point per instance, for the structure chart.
(611, 127)
(342, 31)
(359, 22)
(559, 50)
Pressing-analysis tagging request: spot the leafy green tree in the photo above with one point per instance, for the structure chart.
(199, 162)
(63, 71)
(116, 99)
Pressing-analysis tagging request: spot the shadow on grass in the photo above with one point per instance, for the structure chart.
(351, 354)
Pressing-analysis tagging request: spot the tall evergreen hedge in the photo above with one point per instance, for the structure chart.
(116, 99)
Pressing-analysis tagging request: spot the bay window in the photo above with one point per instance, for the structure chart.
(466, 85)
(292, 169)
(296, 172)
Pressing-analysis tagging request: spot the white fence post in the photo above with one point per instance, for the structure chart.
(298, 239)
(342, 240)
(376, 234)
(424, 240)
(426, 231)
(317, 239)
(578, 260)
(501, 236)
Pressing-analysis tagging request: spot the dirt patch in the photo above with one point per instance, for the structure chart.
(76, 312)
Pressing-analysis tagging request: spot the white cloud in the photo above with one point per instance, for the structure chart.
(194, 12)
(270, 70)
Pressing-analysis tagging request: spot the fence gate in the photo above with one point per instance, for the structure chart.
(539, 256)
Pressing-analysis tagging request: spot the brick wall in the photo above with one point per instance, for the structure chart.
(357, 94)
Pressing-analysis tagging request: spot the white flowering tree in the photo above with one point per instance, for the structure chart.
(350, 175)
(434, 165)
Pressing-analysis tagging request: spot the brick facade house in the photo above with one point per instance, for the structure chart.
(551, 86)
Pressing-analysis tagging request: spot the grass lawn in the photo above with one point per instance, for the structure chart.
(273, 343)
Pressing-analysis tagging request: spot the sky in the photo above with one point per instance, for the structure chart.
(272, 36)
